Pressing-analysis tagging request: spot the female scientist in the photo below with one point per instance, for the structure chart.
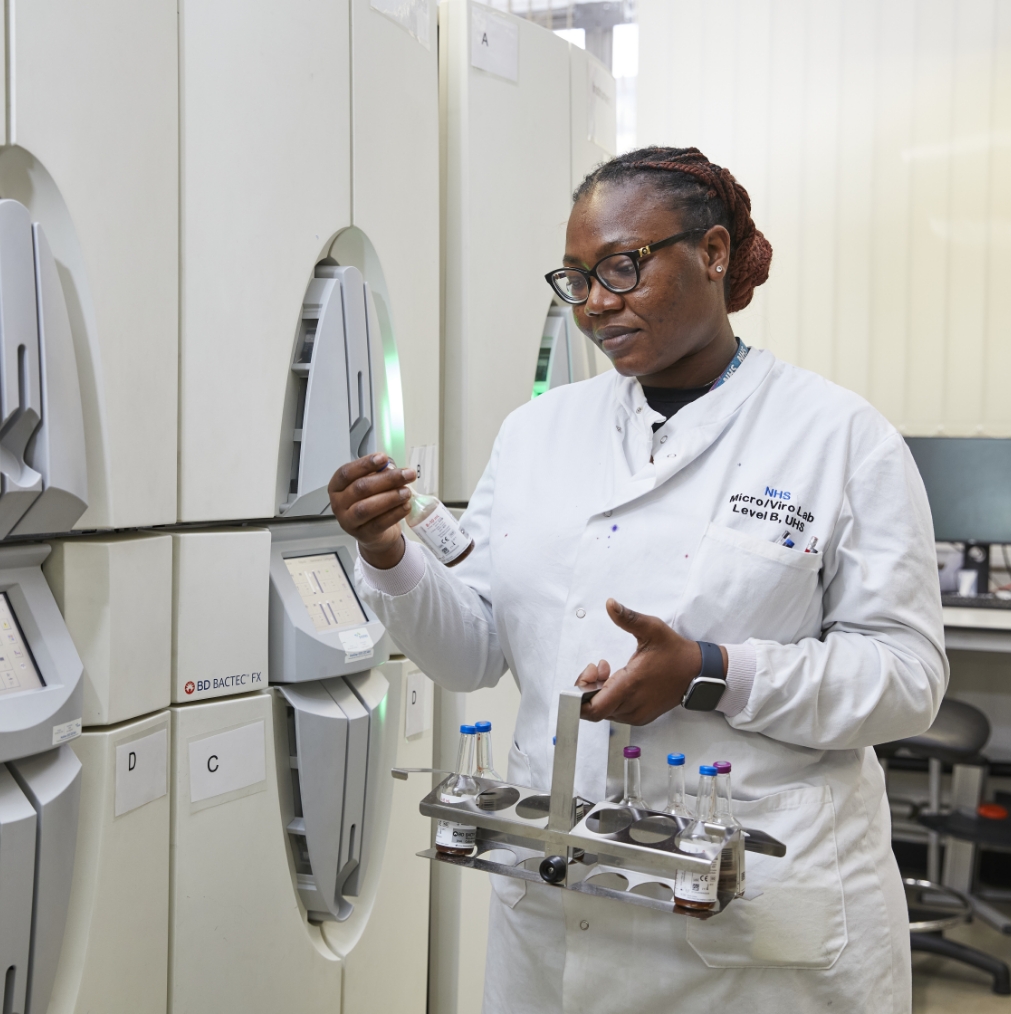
(705, 492)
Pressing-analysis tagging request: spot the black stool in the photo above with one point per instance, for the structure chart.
(958, 734)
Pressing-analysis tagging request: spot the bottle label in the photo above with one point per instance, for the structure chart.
(452, 835)
(443, 536)
(692, 886)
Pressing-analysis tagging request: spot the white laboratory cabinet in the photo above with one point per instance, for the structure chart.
(504, 93)
(115, 949)
(302, 258)
(91, 148)
(242, 933)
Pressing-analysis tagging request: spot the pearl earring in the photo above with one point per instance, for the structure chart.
(719, 267)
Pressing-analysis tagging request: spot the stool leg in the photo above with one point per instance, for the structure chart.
(934, 839)
(967, 955)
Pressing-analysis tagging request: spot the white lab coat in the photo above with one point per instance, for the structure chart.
(581, 501)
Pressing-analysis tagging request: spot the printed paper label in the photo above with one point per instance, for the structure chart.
(693, 886)
(141, 771)
(357, 644)
(494, 44)
(452, 835)
(66, 732)
(443, 536)
(414, 15)
(228, 761)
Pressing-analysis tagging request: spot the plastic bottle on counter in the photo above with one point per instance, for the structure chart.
(692, 889)
(451, 837)
(732, 857)
(485, 765)
(676, 804)
(633, 780)
(430, 519)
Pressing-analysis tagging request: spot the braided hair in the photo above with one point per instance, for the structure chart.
(707, 195)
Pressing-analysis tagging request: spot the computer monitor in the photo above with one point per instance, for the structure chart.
(968, 482)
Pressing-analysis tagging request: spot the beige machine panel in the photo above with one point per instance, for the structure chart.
(93, 152)
(506, 140)
(220, 592)
(262, 202)
(115, 946)
(115, 594)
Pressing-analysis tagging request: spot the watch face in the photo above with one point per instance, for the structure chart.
(704, 694)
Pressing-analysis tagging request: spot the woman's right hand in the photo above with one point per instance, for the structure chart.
(369, 501)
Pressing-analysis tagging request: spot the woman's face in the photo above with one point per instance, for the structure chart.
(677, 309)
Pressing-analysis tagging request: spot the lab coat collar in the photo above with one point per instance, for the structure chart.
(650, 459)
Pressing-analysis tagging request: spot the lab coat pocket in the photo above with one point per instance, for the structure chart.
(796, 916)
(740, 586)
(518, 771)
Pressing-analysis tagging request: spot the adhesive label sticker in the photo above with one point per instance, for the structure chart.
(357, 644)
(66, 732)
(228, 761)
(413, 15)
(494, 44)
(141, 771)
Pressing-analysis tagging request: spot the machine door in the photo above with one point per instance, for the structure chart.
(17, 888)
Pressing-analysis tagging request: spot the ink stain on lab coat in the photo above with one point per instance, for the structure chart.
(614, 528)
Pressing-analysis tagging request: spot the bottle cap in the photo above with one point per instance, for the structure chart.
(483, 726)
(675, 758)
(631, 752)
(468, 730)
(707, 769)
(722, 767)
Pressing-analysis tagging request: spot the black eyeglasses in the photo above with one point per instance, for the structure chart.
(617, 272)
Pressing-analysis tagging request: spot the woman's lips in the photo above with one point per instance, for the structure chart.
(612, 341)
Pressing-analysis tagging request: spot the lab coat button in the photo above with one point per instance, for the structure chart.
(607, 514)
(638, 410)
(663, 440)
(584, 925)
(580, 612)
(617, 427)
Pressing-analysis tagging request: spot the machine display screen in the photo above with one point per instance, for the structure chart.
(326, 591)
(17, 666)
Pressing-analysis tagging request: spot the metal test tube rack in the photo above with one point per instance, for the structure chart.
(573, 844)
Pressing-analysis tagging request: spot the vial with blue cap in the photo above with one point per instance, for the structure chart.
(694, 889)
(485, 765)
(676, 804)
(458, 839)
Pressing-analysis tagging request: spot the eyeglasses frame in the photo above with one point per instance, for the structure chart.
(637, 257)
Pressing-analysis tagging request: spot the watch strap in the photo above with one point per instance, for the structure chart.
(712, 660)
(706, 689)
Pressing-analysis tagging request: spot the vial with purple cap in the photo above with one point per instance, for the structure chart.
(454, 838)
(693, 889)
(633, 780)
(732, 858)
(676, 804)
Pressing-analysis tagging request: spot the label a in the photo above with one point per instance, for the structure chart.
(494, 44)
(66, 732)
(442, 535)
(228, 761)
(141, 771)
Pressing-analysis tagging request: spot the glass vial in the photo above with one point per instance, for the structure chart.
(691, 889)
(676, 804)
(633, 780)
(732, 857)
(485, 766)
(458, 839)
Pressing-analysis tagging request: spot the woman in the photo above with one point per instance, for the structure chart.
(699, 492)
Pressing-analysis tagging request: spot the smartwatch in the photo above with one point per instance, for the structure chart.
(704, 692)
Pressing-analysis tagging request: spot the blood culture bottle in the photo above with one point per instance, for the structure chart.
(692, 889)
(633, 780)
(485, 766)
(676, 804)
(732, 857)
(451, 837)
(433, 523)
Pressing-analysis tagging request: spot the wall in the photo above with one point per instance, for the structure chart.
(874, 137)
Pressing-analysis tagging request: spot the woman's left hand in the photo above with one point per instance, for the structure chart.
(654, 679)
